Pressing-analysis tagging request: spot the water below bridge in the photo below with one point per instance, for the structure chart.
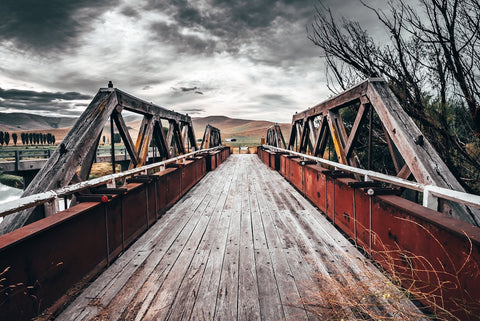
(242, 244)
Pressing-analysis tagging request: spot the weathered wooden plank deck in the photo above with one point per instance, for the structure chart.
(241, 245)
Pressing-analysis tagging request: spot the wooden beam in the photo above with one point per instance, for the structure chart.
(60, 168)
(362, 112)
(336, 136)
(337, 102)
(177, 138)
(405, 172)
(304, 138)
(299, 128)
(143, 140)
(170, 138)
(321, 139)
(421, 158)
(293, 136)
(87, 163)
(138, 105)
(191, 135)
(126, 138)
(160, 140)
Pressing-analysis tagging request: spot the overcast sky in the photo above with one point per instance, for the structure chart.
(240, 58)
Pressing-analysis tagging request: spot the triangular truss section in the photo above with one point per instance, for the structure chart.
(211, 137)
(275, 137)
(378, 115)
(79, 147)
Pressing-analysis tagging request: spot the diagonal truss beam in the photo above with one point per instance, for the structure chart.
(412, 155)
(211, 137)
(275, 136)
(78, 148)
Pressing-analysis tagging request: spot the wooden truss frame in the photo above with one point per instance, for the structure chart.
(211, 137)
(275, 137)
(78, 148)
(412, 155)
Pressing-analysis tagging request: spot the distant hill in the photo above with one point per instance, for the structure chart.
(243, 130)
(28, 122)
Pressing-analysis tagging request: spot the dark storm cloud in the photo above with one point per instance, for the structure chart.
(193, 111)
(185, 90)
(44, 26)
(232, 24)
(17, 94)
(28, 100)
(130, 12)
(188, 88)
(277, 99)
(190, 44)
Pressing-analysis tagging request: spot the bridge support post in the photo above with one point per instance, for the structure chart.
(429, 200)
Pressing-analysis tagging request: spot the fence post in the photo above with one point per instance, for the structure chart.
(17, 160)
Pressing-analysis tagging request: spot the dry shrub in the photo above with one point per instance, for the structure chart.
(437, 285)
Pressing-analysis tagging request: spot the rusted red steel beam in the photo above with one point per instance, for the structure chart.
(43, 262)
(433, 255)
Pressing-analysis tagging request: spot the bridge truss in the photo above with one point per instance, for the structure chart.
(374, 113)
(211, 137)
(72, 160)
(275, 137)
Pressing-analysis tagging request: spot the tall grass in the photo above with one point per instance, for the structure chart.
(439, 286)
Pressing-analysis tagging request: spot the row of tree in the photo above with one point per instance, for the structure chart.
(27, 138)
(431, 61)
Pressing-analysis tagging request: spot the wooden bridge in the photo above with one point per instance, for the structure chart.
(283, 235)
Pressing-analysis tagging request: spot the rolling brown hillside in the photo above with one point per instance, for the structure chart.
(245, 131)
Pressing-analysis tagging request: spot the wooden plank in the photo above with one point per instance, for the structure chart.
(165, 295)
(270, 301)
(250, 251)
(248, 304)
(188, 293)
(331, 253)
(150, 300)
(169, 301)
(215, 241)
(144, 299)
(227, 296)
(163, 232)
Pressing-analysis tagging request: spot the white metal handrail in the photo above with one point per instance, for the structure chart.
(37, 199)
(428, 191)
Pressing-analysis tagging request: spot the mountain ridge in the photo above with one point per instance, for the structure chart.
(244, 130)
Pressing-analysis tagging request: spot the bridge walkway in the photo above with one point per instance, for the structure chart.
(242, 244)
